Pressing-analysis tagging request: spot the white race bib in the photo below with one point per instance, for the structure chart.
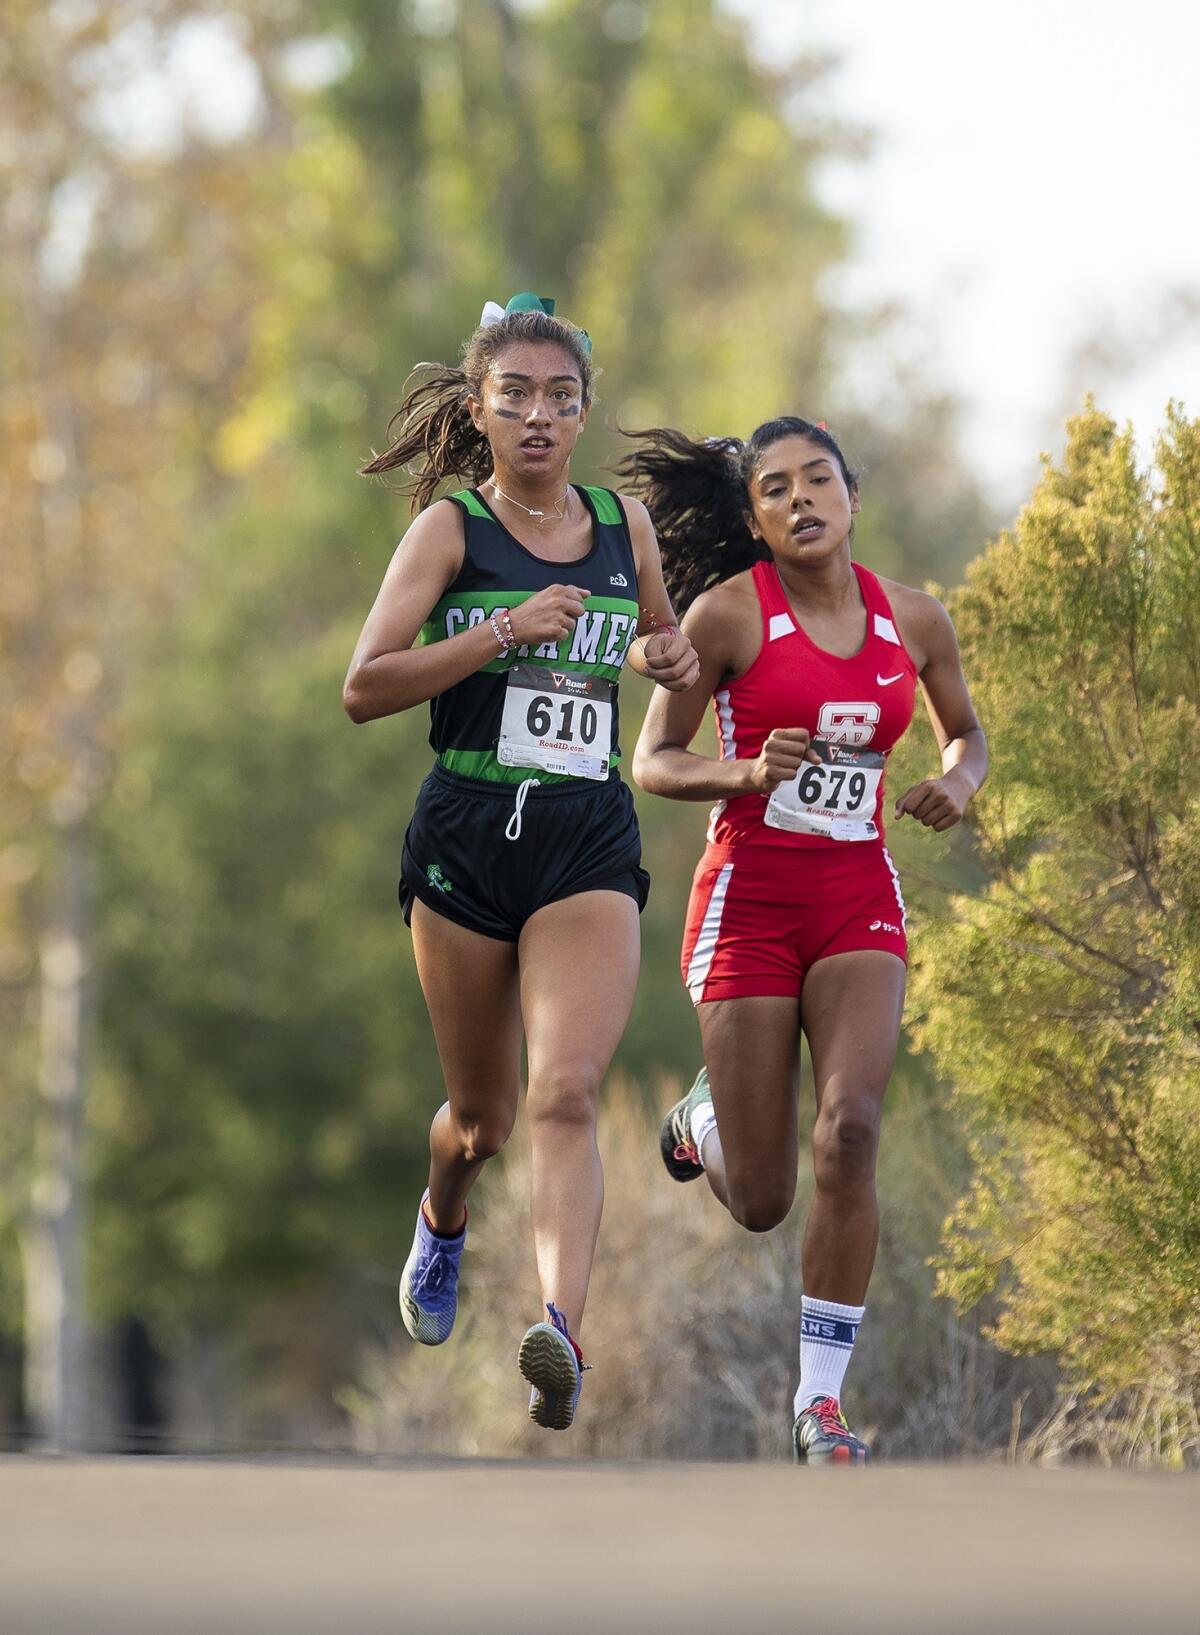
(556, 722)
(836, 799)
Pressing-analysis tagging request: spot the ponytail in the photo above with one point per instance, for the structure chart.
(696, 496)
(435, 426)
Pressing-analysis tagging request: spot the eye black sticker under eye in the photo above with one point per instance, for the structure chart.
(506, 414)
(568, 410)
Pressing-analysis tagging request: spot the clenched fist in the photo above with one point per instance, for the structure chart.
(781, 757)
(938, 803)
(671, 660)
(548, 616)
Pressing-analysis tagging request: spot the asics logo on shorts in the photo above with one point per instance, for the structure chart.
(884, 925)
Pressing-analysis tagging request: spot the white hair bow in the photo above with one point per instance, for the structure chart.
(491, 314)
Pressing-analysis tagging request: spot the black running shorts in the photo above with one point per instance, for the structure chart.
(575, 837)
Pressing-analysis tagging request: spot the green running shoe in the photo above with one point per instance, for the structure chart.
(679, 1152)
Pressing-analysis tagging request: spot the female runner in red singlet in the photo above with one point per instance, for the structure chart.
(796, 921)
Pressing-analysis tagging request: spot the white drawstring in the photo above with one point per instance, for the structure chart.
(513, 828)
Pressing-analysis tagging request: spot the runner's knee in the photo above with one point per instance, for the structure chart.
(483, 1137)
(759, 1208)
(845, 1142)
(564, 1094)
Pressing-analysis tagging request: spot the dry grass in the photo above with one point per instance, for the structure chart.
(692, 1328)
(1147, 1427)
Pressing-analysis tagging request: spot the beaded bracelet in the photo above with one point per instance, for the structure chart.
(505, 639)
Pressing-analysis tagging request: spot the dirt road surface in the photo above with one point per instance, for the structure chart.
(194, 1547)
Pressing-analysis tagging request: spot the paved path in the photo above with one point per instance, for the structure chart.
(191, 1547)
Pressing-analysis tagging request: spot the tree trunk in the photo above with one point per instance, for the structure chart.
(52, 1225)
(52, 1236)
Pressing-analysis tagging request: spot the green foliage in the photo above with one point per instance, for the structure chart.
(659, 184)
(1063, 1000)
(125, 303)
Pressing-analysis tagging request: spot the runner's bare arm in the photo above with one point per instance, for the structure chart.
(667, 657)
(939, 803)
(664, 765)
(387, 673)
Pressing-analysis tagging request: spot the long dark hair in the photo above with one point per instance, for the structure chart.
(433, 425)
(698, 496)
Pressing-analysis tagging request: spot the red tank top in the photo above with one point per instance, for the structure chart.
(866, 700)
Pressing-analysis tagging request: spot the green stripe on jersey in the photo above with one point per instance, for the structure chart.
(596, 646)
(482, 763)
(473, 504)
(607, 506)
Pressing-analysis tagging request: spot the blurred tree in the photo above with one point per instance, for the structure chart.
(634, 161)
(1064, 1001)
(123, 308)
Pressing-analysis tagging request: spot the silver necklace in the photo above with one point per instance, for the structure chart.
(540, 517)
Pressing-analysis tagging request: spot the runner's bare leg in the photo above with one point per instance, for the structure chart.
(751, 1050)
(852, 1061)
(579, 965)
(471, 988)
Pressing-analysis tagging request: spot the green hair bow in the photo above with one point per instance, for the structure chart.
(526, 301)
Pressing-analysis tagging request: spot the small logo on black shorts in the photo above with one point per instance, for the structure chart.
(436, 878)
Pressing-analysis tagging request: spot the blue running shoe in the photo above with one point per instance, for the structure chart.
(553, 1364)
(675, 1143)
(429, 1283)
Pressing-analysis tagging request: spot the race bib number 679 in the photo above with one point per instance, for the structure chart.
(836, 799)
(556, 722)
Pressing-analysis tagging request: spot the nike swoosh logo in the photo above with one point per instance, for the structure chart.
(886, 681)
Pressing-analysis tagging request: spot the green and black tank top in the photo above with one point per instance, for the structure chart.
(497, 571)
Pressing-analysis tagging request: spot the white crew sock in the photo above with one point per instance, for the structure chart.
(827, 1335)
(703, 1122)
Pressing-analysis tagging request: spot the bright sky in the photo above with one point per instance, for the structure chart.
(1033, 187)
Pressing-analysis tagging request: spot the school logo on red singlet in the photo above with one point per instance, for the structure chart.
(852, 724)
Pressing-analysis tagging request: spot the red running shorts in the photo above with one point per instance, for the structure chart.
(759, 917)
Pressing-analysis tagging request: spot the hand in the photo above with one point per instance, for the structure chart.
(781, 757)
(938, 803)
(671, 660)
(548, 616)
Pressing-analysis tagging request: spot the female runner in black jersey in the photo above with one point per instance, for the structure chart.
(511, 607)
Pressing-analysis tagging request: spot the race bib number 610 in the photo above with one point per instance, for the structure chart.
(836, 799)
(556, 722)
